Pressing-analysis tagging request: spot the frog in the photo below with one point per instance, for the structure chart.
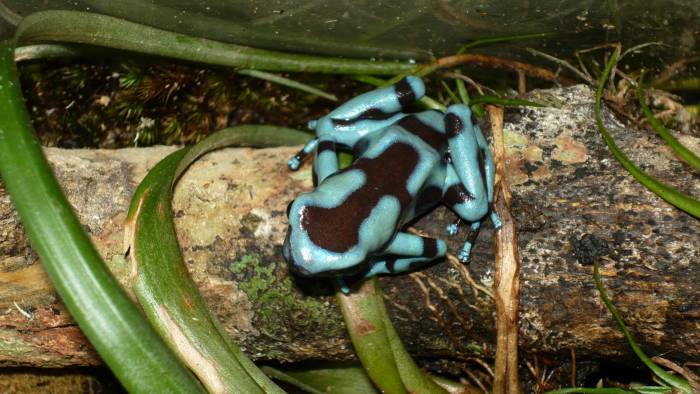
(352, 222)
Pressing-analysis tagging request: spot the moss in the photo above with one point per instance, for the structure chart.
(276, 304)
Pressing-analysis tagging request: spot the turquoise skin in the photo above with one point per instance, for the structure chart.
(406, 164)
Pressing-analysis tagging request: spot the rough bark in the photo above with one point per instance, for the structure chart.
(571, 201)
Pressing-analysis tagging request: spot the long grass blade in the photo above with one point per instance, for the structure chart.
(672, 380)
(683, 152)
(162, 284)
(668, 193)
(96, 29)
(105, 314)
(278, 79)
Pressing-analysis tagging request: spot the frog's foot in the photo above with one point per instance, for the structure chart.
(294, 163)
(343, 285)
(464, 255)
(453, 228)
(496, 220)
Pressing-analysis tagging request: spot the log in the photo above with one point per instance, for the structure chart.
(572, 201)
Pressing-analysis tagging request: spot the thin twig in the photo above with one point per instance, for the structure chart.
(522, 86)
(672, 70)
(452, 285)
(479, 87)
(483, 365)
(585, 76)
(638, 47)
(468, 278)
(499, 62)
(448, 300)
(433, 309)
(578, 54)
(507, 269)
(477, 381)
(692, 378)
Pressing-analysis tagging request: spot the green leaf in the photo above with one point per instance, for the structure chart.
(97, 29)
(463, 94)
(113, 324)
(378, 346)
(507, 102)
(604, 390)
(450, 93)
(325, 377)
(278, 79)
(162, 284)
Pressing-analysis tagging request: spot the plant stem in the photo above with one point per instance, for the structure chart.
(102, 30)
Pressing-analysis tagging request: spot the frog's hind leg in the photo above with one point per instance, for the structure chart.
(392, 264)
(380, 103)
(326, 162)
(406, 252)
(406, 244)
(467, 206)
(387, 264)
(369, 112)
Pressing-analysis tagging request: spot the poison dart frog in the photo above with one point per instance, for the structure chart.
(406, 164)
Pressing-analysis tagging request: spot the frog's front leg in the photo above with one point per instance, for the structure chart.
(467, 206)
(465, 253)
(468, 188)
(489, 173)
